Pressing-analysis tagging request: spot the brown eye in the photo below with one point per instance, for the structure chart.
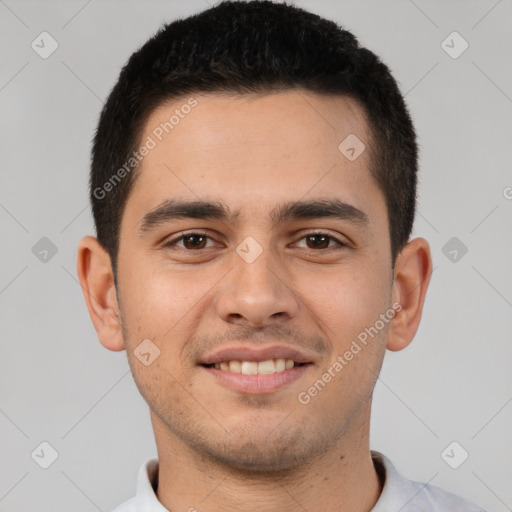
(318, 241)
(190, 242)
(194, 241)
(321, 241)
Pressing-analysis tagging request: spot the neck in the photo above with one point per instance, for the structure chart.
(342, 479)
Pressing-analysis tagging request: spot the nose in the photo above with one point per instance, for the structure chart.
(257, 293)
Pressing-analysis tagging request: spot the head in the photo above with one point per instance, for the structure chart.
(285, 151)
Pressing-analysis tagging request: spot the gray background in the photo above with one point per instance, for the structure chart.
(59, 385)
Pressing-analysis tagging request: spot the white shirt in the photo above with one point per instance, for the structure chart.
(398, 494)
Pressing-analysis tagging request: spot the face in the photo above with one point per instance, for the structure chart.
(253, 276)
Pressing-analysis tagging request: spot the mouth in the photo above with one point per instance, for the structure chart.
(250, 369)
(256, 378)
(268, 367)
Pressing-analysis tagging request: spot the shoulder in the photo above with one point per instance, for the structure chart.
(145, 498)
(127, 506)
(411, 496)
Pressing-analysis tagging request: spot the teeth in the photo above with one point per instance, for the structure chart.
(234, 366)
(266, 367)
(249, 368)
(280, 365)
(253, 368)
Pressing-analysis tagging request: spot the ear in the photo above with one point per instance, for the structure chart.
(413, 268)
(97, 280)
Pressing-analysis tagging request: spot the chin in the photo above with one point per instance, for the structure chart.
(265, 453)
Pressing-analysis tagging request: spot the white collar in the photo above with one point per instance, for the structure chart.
(398, 493)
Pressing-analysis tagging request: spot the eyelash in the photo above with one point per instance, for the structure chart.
(172, 242)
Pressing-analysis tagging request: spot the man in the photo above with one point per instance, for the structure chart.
(253, 186)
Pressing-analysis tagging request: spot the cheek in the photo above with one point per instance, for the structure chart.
(165, 305)
(347, 306)
(346, 300)
(160, 305)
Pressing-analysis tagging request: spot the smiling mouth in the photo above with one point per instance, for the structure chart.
(267, 367)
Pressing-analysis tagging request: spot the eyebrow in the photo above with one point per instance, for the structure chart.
(295, 210)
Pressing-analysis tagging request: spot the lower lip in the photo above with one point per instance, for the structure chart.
(257, 384)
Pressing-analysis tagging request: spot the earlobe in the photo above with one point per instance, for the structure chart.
(97, 281)
(413, 269)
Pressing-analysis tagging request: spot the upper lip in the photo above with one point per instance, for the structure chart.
(257, 354)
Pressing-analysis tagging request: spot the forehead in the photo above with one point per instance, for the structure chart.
(254, 150)
(223, 122)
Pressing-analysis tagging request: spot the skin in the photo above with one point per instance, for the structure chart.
(222, 450)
